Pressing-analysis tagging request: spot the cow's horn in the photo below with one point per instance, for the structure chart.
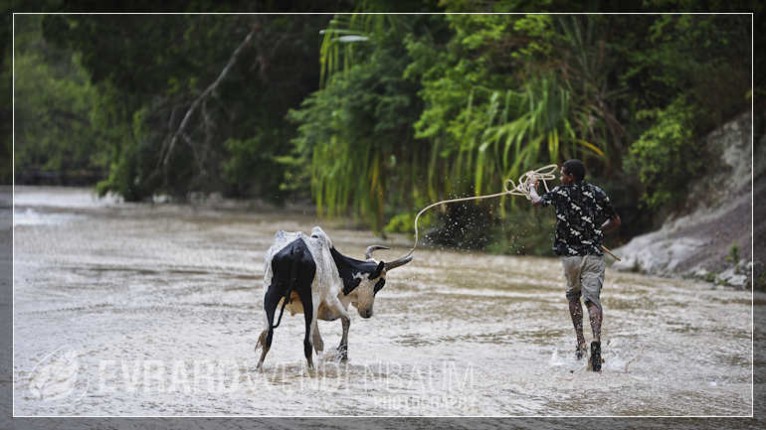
(398, 262)
(371, 249)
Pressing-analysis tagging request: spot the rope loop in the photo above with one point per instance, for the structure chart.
(544, 174)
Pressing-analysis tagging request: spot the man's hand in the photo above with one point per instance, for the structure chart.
(533, 183)
(611, 224)
(534, 197)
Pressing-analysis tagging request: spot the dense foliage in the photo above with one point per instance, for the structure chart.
(56, 101)
(496, 95)
(375, 116)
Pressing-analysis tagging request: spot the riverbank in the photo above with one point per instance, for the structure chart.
(712, 237)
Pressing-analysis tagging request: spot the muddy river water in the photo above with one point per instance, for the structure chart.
(154, 310)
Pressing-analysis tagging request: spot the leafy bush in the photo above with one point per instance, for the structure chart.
(666, 156)
(250, 168)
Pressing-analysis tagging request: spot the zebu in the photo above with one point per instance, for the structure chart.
(320, 282)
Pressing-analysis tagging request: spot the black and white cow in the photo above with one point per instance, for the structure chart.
(320, 282)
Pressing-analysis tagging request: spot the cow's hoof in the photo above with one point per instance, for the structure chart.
(342, 353)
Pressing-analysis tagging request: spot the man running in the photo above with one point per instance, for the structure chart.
(583, 214)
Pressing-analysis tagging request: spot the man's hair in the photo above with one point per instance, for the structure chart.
(575, 168)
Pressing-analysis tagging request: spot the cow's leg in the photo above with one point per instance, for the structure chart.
(316, 338)
(270, 301)
(310, 318)
(343, 347)
(345, 321)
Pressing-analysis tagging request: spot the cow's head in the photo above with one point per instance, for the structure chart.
(371, 279)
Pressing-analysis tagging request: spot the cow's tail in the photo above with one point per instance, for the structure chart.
(291, 284)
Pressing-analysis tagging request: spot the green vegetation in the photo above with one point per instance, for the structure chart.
(55, 103)
(733, 256)
(666, 156)
(375, 116)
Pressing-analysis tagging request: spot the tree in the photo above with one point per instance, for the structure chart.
(354, 133)
(54, 122)
(187, 98)
(688, 74)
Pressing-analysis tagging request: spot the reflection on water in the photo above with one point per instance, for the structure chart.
(154, 310)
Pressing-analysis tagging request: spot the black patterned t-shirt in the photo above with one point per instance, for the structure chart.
(581, 209)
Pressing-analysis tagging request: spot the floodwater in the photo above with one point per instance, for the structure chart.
(154, 310)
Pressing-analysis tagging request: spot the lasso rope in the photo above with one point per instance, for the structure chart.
(511, 188)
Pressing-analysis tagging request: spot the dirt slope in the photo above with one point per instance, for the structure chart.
(713, 237)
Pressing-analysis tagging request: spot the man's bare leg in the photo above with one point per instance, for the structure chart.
(575, 310)
(596, 317)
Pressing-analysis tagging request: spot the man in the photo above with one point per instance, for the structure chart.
(583, 214)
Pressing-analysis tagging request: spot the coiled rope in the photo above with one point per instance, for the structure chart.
(510, 187)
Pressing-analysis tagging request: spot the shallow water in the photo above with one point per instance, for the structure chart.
(154, 310)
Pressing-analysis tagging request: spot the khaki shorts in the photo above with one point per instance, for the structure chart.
(585, 276)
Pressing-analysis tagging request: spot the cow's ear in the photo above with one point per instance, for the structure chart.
(378, 270)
